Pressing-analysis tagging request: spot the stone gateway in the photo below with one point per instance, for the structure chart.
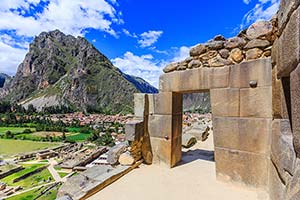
(254, 84)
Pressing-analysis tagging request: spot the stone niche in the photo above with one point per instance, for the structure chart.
(241, 101)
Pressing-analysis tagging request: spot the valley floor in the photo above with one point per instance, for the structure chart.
(193, 179)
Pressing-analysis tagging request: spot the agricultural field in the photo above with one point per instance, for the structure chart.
(12, 147)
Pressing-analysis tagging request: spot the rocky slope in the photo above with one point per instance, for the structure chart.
(61, 70)
(197, 102)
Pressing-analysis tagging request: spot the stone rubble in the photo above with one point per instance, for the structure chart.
(254, 43)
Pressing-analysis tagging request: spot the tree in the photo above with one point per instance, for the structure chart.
(64, 135)
(9, 135)
(30, 110)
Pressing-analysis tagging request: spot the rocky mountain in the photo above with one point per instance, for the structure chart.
(3, 78)
(61, 70)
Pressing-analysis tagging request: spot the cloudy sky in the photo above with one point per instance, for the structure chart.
(139, 36)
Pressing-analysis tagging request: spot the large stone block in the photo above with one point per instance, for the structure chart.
(274, 53)
(293, 187)
(219, 77)
(185, 81)
(166, 152)
(289, 46)
(259, 70)
(165, 126)
(176, 151)
(256, 102)
(295, 107)
(225, 102)
(165, 103)
(282, 150)
(248, 168)
(249, 134)
(161, 149)
(141, 105)
(277, 189)
(160, 126)
(134, 130)
(285, 10)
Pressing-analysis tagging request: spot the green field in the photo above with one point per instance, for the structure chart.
(32, 194)
(14, 130)
(11, 147)
(78, 137)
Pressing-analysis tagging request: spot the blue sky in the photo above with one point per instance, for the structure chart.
(138, 36)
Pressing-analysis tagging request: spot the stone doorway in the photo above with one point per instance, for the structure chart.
(197, 130)
(241, 100)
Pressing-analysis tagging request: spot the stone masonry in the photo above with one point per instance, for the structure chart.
(254, 84)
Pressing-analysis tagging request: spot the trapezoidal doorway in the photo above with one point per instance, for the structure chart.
(241, 101)
(197, 130)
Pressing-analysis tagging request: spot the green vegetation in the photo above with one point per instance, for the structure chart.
(27, 169)
(62, 174)
(101, 140)
(12, 147)
(33, 194)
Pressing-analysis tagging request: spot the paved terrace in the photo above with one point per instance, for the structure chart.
(193, 179)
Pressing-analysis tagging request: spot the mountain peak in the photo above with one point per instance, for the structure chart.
(61, 70)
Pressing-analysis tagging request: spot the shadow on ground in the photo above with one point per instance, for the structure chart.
(197, 154)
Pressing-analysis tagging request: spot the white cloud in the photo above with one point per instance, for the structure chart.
(263, 10)
(145, 66)
(142, 66)
(147, 39)
(246, 1)
(10, 58)
(182, 53)
(127, 33)
(70, 16)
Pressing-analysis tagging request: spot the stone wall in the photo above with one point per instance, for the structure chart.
(285, 145)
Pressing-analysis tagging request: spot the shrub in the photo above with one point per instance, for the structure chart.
(26, 131)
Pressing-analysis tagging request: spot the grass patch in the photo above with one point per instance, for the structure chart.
(62, 174)
(57, 167)
(40, 178)
(33, 194)
(14, 130)
(35, 180)
(11, 147)
(74, 129)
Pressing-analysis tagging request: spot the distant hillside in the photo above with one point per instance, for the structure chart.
(61, 70)
(197, 102)
(3, 77)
